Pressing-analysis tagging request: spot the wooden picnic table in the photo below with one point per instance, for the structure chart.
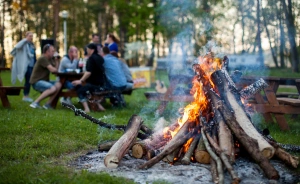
(269, 104)
(63, 77)
(7, 90)
(266, 102)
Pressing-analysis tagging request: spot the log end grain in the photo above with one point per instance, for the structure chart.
(268, 152)
(111, 161)
(202, 157)
(138, 151)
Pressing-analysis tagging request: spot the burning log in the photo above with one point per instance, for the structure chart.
(252, 89)
(121, 147)
(170, 158)
(249, 143)
(106, 145)
(232, 99)
(187, 157)
(178, 140)
(201, 154)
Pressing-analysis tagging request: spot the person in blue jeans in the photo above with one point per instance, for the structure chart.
(93, 77)
(24, 60)
(40, 78)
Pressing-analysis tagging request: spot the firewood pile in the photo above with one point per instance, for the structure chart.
(213, 129)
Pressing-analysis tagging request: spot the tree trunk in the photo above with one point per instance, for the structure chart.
(269, 38)
(56, 8)
(282, 41)
(121, 147)
(106, 145)
(291, 34)
(260, 51)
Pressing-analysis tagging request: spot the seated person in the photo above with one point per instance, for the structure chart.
(40, 77)
(69, 61)
(115, 76)
(93, 76)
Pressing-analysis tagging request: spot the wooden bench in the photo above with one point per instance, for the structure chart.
(8, 91)
(100, 95)
(287, 94)
(289, 101)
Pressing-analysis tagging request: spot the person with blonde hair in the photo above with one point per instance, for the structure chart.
(23, 62)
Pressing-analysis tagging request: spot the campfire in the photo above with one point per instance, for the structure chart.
(213, 129)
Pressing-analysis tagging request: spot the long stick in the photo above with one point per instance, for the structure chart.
(213, 156)
(79, 112)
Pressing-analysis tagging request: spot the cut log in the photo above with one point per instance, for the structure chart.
(232, 100)
(105, 146)
(121, 147)
(186, 160)
(225, 137)
(252, 89)
(287, 158)
(249, 143)
(139, 150)
(177, 141)
(201, 154)
(170, 158)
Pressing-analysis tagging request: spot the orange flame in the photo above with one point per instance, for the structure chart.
(187, 145)
(209, 64)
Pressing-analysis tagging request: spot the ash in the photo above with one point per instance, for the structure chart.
(248, 172)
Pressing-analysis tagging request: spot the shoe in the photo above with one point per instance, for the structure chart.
(35, 105)
(47, 106)
(27, 99)
(66, 100)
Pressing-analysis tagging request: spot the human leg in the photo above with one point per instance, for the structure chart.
(27, 85)
(45, 87)
(53, 95)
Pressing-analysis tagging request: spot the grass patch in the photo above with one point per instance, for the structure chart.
(37, 145)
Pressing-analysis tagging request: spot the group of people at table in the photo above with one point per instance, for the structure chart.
(103, 70)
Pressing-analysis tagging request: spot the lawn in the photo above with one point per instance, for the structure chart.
(38, 145)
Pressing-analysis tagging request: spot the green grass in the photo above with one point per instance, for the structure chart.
(37, 145)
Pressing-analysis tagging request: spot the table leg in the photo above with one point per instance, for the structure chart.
(267, 116)
(4, 99)
(55, 100)
(271, 96)
(167, 95)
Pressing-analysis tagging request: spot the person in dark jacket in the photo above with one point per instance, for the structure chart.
(93, 77)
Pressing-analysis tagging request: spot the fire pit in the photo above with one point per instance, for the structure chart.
(213, 129)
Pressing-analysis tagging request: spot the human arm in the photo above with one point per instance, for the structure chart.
(54, 68)
(85, 76)
(21, 43)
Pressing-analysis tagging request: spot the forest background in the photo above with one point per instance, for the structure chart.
(150, 29)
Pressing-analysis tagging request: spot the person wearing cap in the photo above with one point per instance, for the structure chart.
(93, 77)
(40, 78)
(24, 60)
(69, 61)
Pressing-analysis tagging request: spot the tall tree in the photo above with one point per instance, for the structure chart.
(290, 20)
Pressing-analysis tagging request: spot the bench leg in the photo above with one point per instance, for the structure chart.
(4, 100)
